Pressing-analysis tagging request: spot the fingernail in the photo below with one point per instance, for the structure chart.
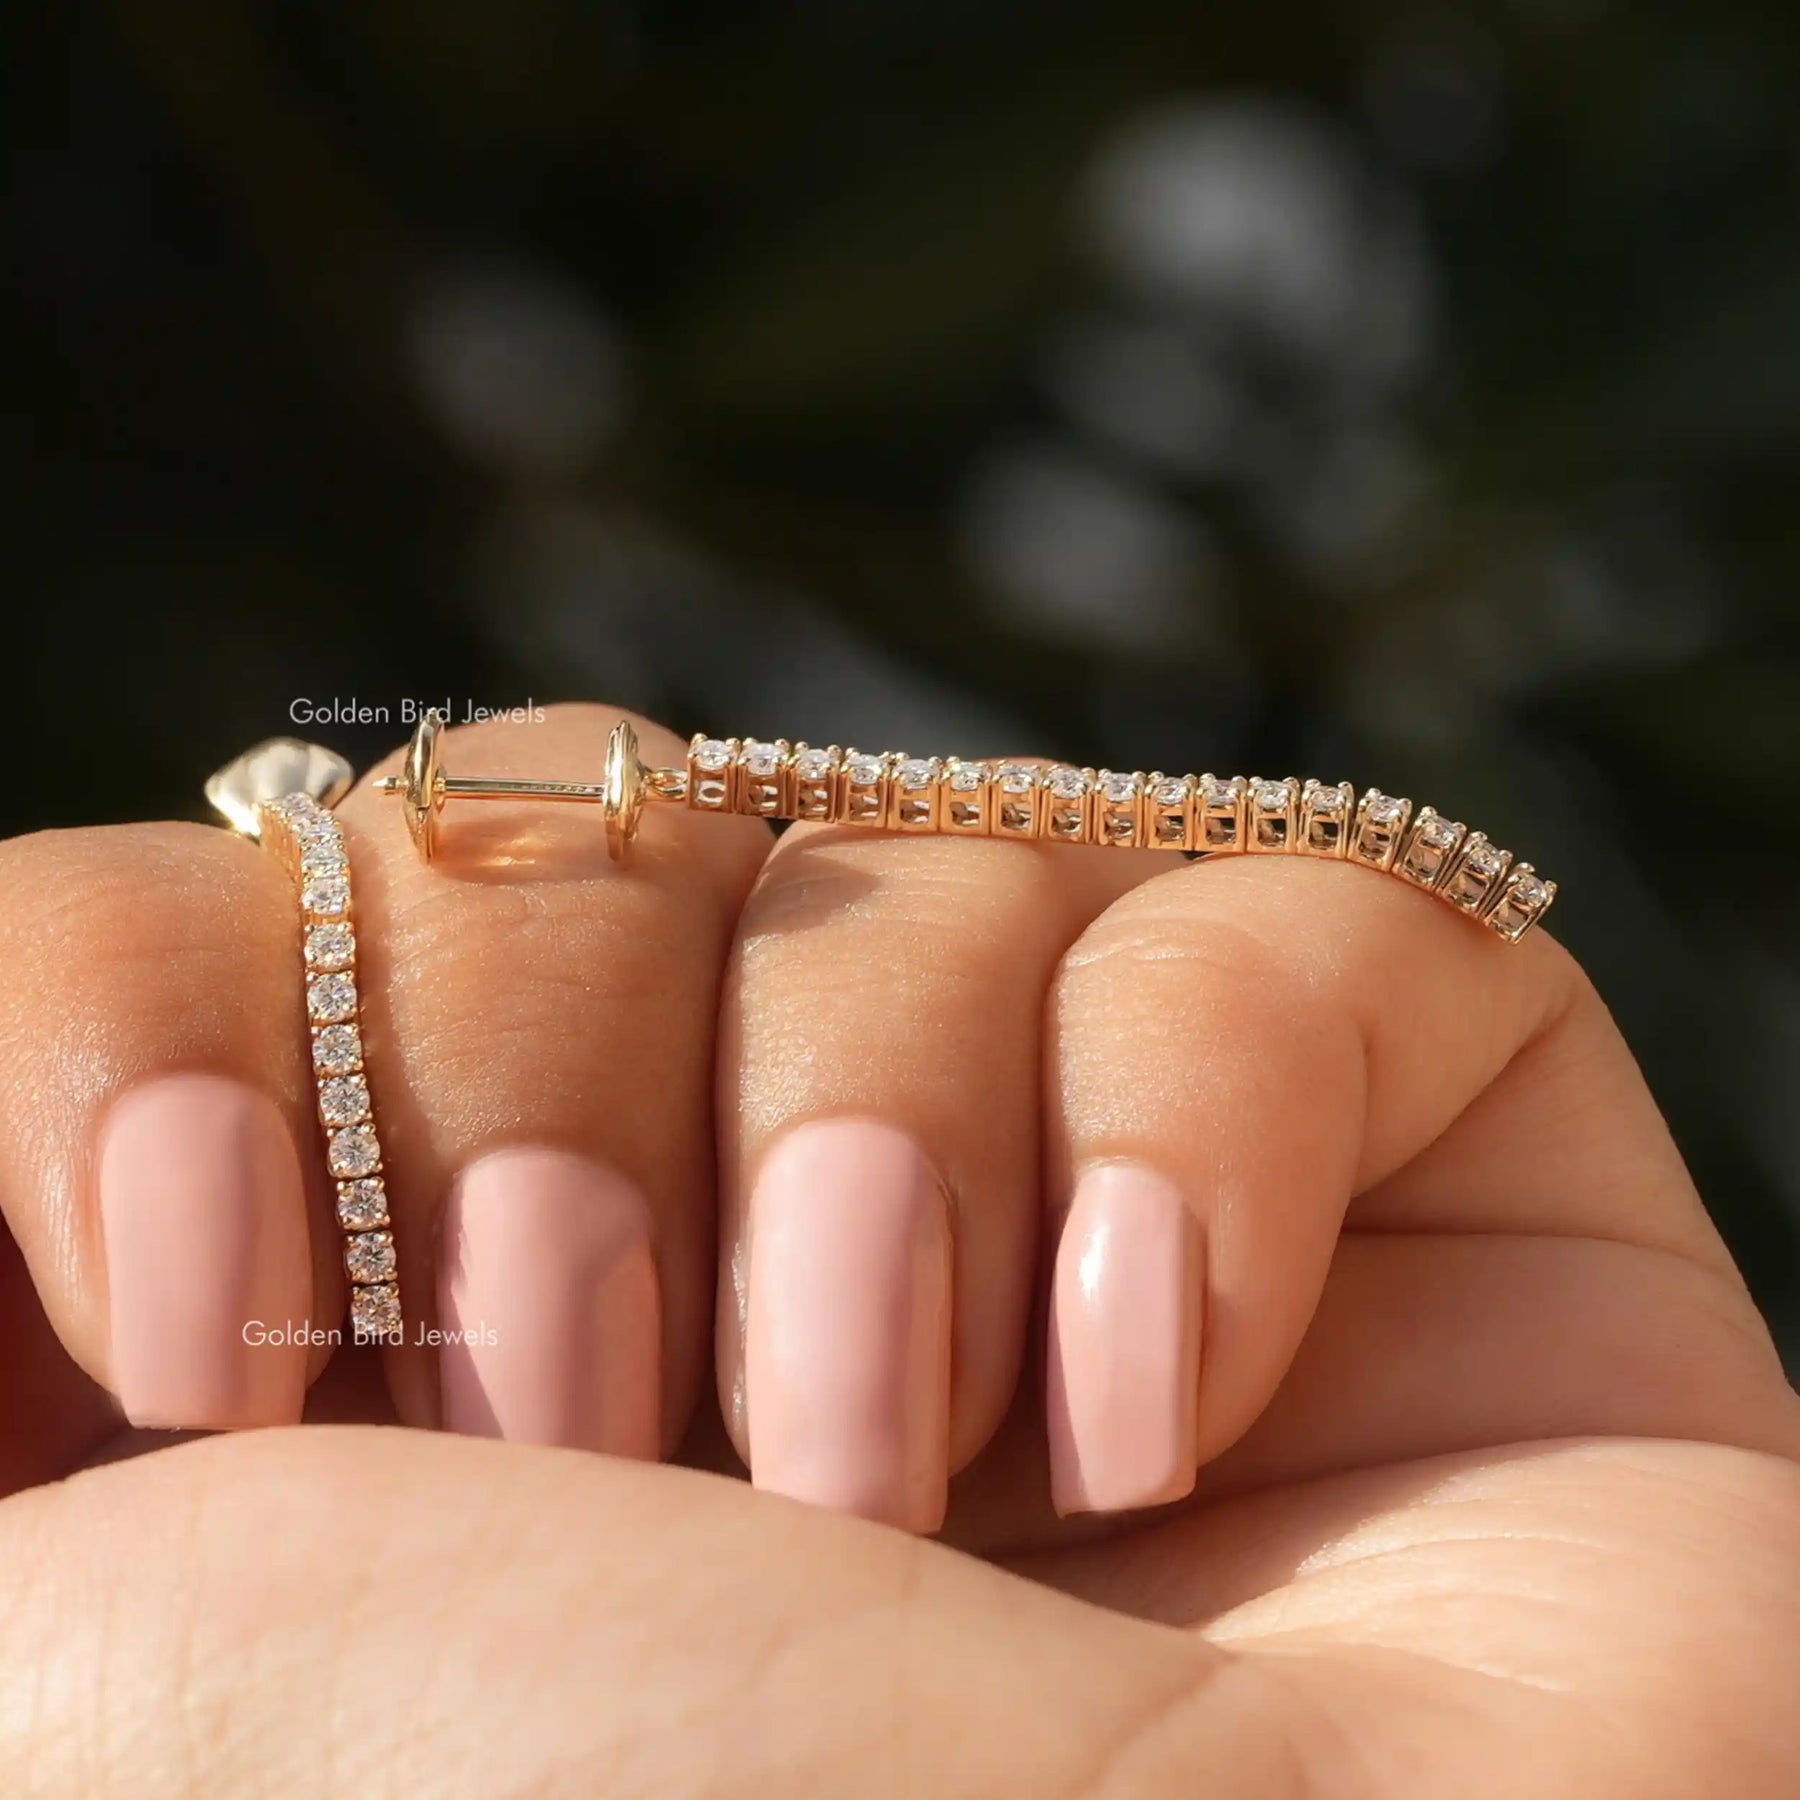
(548, 1300)
(208, 1266)
(1124, 1344)
(847, 1324)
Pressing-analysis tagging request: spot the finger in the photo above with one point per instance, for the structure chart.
(1238, 1050)
(160, 1164)
(540, 1024)
(1426, 1344)
(542, 1640)
(879, 1120)
(535, 1638)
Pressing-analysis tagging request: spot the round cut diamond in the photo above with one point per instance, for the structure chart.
(1170, 791)
(863, 769)
(1483, 858)
(343, 1100)
(369, 1256)
(330, 946)
(1017, 778)
(711, 756)
(762, 759)
(375, 1311)
(330, 998)
(1528, 891)
(917, 772)
(362, 1205)
(1117, 786)
(966, 778)
(1223, 792)
(1384, 809)
(814, 765)
(323, 856)
(353, 1152)
(1272, 796)
(1067, 783)
(1437, 832)
(1327, 800)
(337, 1049)
(329, 896)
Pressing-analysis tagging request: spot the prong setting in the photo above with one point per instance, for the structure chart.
(1204, 815)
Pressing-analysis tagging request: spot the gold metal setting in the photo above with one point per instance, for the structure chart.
(280, 793)
(1205, 815)
(309, 842)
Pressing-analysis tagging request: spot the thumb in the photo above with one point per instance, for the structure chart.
(290, 1612)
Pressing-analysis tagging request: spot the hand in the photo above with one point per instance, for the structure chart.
(1495, 1497)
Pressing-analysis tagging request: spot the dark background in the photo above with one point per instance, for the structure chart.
(1403, 392)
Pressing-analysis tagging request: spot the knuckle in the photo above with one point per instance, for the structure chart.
(133, 892)
(898, 890)
(173, 934)
(1164, 943)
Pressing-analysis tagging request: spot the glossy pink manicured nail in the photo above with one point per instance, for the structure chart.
(547, 1295)
(847, 1324)
(1124, 1344)
(208, 1269)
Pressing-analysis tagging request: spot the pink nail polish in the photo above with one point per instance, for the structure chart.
(208, 1267)
(847, 1324)
(548, 1299)
(1124, 1350)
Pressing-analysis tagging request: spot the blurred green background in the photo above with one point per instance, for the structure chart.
(1404, 392)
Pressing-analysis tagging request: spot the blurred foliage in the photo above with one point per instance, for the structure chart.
(1411, 391)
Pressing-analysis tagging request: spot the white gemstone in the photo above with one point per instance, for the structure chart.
(762, 759)
(814, 765)
(1272, 796)
(1384, 809)
(1528, 891)
(369, 1256)
(322, 856)
(330, 998)
(966, 778)
(917, 772)
(711, 756)
(863, 769)
(330, 946)
(1067, 783)
(362, 1205)
(1437, 832)
(1017, 778)
(353, 1152)
(1172, 791)
(1224, 793)
(1484, 859)
(1118, 786)
(375, 1311)
(337, 1049)
(330, 895)
(344, 1100)
(1327, 800)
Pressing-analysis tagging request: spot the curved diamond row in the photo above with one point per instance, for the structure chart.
(1208, 815)
(311, 843)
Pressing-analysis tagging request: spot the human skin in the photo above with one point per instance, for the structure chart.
(1492, 1465)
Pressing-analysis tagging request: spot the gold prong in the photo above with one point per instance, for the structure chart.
(1058, 803)
(1219, 814)
(1017, 799)
(1381, 821)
